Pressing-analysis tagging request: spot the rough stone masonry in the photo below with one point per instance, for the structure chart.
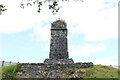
(59, 48)
(58, 44)
(58, 56)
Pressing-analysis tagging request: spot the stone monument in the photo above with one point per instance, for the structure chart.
(58, 44)
(58, 56)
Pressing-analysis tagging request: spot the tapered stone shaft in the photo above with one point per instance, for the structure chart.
(58, 42)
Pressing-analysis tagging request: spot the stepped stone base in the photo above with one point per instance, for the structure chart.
(59, 61)
(37, 70)
(49, 67)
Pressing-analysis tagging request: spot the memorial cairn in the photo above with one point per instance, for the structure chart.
(58, 57)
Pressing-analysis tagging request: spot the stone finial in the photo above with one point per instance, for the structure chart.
(59, 24)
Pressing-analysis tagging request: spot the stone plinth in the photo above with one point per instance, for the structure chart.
(59, 61)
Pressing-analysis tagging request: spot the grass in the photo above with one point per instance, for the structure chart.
(0, 73)
(10, 71)
(97, 71)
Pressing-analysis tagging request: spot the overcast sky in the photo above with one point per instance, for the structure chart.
(92, 31)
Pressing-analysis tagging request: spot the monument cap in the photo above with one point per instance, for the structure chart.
(58, 24)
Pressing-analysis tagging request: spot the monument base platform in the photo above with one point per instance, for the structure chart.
(36, 70)
(59, 61)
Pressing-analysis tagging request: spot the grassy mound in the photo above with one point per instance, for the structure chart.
(97, 71)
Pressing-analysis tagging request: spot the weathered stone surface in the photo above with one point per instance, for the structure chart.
(58, 58)
(59, 61)
(48, 67)
(37, 70)
(58, 24)
(58, 43)
(75, 76)
(56, 74)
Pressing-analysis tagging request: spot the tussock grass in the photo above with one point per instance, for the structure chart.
(10, 71)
